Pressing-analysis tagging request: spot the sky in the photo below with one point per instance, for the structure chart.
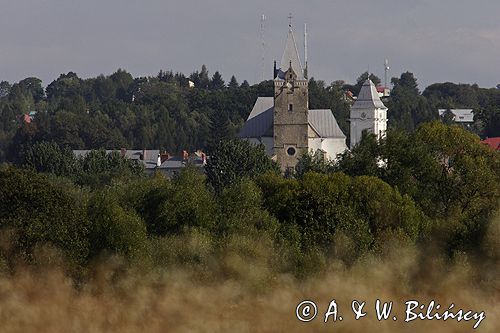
(437, 40)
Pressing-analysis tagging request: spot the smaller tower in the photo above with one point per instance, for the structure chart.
(368, 113)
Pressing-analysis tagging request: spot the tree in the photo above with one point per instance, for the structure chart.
(363, 159)
(189, 205)
(217, 82)
(219, 129)
(49, 157)
(362, 79)
(4, 89)
(315, 162)
(448, 118)
(204, 81)
(407, 107)
(99, 168)
(115, 229)
(41, 213)
(233, 160)
(233, 83)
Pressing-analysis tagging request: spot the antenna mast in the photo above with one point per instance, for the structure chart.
(305, 50)
(263, 45)
(386, 69)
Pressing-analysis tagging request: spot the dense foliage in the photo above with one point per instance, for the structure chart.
(165, 112)
(437, 187)
(425, 185)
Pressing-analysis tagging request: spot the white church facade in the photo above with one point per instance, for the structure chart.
(286, 126)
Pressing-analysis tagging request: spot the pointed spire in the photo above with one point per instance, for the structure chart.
(368, 97)
(290, 56)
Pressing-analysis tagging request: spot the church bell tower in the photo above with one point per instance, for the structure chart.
(368, 114)
(291, 108)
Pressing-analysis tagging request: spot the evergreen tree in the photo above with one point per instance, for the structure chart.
(217, 82)
(219, 128)
(233, 84)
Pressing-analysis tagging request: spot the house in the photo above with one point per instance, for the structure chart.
(459, 115)
(155, 160)
(493, 143)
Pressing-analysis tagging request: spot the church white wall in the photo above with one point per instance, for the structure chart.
(357, 128)
(332, 146)
(375, 121)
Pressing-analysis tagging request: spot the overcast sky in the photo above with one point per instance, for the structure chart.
(437, 40)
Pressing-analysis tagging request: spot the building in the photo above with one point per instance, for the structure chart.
(157, 161)
(494, 143)
(368, 114)
(284, 123)
(459, 115)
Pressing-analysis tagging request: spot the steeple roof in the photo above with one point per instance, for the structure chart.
(290, 56)
(368, 97)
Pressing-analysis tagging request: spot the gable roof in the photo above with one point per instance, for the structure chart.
(290, 56)
(368, 97)
(260, 121)
(324, 123)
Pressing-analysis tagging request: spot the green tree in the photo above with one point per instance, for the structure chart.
(219, 129)
(115, 229)
(39, 213)
(362, 79)
(363, 159)
(407, 107)
(217, 83)
(232, 160)
(189, 205)
(99, 168)
(233, 83)
(49, 157)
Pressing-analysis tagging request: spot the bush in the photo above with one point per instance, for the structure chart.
(40, 212)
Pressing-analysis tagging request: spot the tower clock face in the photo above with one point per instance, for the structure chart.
(363, 115)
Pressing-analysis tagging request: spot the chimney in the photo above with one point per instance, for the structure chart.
(123, 151)
(204, 158)
(164, 157)
(185, 155)
(158, 162)
(143, 156)
(275, 70)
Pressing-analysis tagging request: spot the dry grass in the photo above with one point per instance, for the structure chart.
(45, 300)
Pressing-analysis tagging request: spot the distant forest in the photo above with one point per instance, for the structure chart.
(164, 112)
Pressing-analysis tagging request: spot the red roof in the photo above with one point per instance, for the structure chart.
(493, 143)
(27, 119)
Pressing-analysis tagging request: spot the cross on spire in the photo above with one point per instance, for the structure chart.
(290, 17)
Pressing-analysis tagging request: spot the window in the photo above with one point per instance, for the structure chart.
(291, 151)
(290, 107)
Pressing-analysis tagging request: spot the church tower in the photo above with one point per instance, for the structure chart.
(291, 105)
(368, 113)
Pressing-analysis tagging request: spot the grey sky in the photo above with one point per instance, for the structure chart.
(437, 40)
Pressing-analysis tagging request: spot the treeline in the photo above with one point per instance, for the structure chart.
(437, 188)
(165, 112)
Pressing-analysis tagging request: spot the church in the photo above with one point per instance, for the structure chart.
(286, 126)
